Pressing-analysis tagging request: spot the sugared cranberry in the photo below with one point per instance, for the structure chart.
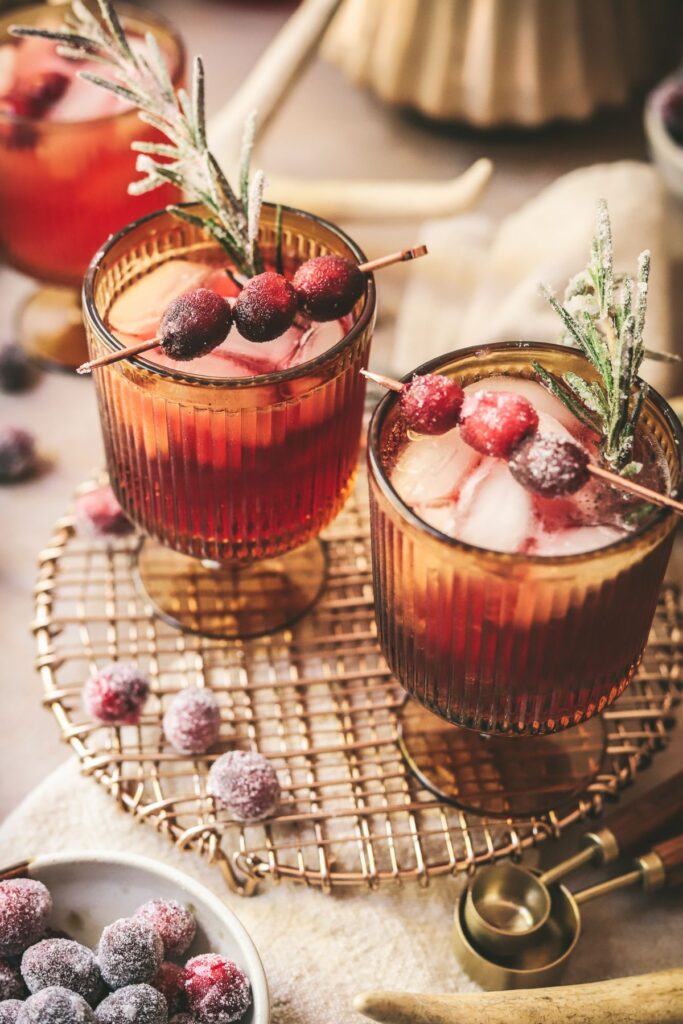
(549, 466)
(10, 1010)
(63, 963)
(193, 721)
(98, 514)
(168, 981)
(246, 784)
(217, 990)
(495, 422)
(16, 373)
(11, 983)
(140, 1004)
(670, 104)
(117, 694)
(17, 454)
(328, 287)
(25, 906)
(265, 307)
(55, 1006)
(431, 404)
(194, 324)
(129, 952)
(179, 1018)
(174, 924)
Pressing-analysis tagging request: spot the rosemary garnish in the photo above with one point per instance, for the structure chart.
(604, 316)
(140, 76)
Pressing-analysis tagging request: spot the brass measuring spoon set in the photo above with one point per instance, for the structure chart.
(516, 928)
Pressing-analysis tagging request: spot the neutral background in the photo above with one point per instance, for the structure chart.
(327, 127)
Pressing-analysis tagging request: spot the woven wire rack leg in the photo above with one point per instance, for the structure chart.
(320, 702)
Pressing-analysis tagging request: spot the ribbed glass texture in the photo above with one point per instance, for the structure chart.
(513, 643)
(63, 185)
(234, 469)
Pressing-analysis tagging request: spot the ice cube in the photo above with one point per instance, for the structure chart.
(550, 425)
(497, 513)
(575, 541)
(442, 517)
(140, 308)
(429, 468)
(541, 399)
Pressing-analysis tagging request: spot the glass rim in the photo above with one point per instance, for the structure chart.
(507, 557)
(130, 11)
(234, 383)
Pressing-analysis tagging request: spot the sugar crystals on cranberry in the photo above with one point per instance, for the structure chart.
(431, 403)
(495, 422)
(11, 982)
(65, 963)
(130, 951)
(141, 1004)
(192, 721)
(173, 922)
(10, 1010)
(549, 466)
(265, 307)
(195, 323)
(98, 514)
(116, 694)
(17, 453)
(217, 990)
(246, 784)
(55, 1005)
(25, 906)
(328, 287)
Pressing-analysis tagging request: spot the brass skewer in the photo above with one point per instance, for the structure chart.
(402, 256)
(621, 482)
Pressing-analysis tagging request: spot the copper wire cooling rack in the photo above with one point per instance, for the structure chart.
(319, 701)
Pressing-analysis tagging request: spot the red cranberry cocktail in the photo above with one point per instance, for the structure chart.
(511, 612)
(65, 165)
(236, 459)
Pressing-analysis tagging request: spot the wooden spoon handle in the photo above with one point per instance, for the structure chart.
(644, 999)
(648, 816)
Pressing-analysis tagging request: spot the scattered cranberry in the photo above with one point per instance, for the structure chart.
(495, 422)
(216, 989)
(25, 906)
(246, 784)
(10, 1010)
(11, 983)
(98, 514)
(549, 466)
(192, 722)
(16, 372)
(117, 694)
(140, 1004)
(129, 952)
(431, 404)
(63, 963)
(55, 1006)
(174, 924)
(328, 287)
(194, 324)
(265, 307)
(168, 981)
(670, 103)
(17, 454)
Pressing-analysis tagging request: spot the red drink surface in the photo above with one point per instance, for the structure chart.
(64, 172)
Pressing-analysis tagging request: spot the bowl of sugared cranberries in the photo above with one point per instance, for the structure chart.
(664, 129)
(112, 938)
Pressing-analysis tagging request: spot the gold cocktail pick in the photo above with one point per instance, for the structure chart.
(402, 256)
(622, 483)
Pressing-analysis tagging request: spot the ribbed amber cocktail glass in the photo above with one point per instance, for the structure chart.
(230, 475)
(64, 190)
(510, 645)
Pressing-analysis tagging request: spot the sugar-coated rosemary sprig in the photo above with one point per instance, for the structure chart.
(140, 76)
(604, 315)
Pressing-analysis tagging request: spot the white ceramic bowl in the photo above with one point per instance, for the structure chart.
(90, 890)
(666, 153)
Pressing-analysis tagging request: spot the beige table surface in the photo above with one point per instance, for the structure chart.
(327, 127)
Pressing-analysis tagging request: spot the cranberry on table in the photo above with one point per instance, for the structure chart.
(9, 1011)
(116, 694)
(549, 466)
(98, 514)
(25, 906)
(173, 922)
(64, 963)
(11, 983)
(193, 720)
(140, 1004)
(328, 287)
(168, 981)
(265, 307)
(246, 784)
(495, 422)
(129, 952)
(16, 372)
(217, 990)
(431, 403)
(194, 324)
(55, 1006)
(17, 453)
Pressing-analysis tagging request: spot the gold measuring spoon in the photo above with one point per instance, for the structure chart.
(544, 961)
(506, 905)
